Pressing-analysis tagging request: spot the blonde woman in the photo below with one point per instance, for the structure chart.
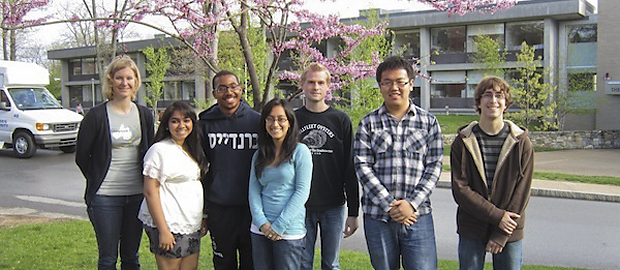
(112, 141)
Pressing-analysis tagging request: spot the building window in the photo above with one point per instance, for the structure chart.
(84, 94)
(179, 91)
(181, 63)
(84, 66)
(582, 33)
(408, 43)
(582, 81)
(322, 47)
(530, 32)
(173, 91)
(75, 67)
(494, 31)
(582, 40)
(448, 90)
(581, 95)
(285, 62)
(448, 39)
(75, 96)
(88, 66)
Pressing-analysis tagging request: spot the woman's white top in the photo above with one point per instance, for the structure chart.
(180, 189)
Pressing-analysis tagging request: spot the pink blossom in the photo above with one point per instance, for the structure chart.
(289, 27)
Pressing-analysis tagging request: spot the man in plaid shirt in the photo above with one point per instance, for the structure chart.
(398, 153)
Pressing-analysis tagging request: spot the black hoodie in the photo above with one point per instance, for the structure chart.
(230, 142)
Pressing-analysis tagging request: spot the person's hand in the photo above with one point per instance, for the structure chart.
(350, 226)
(166, 240)
(269, 232)
(204, 228)
(402, 212)
(494, 247)
(508, 223)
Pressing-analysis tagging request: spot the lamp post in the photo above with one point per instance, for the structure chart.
(92, 86)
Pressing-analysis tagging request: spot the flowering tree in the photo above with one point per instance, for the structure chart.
(196, 23)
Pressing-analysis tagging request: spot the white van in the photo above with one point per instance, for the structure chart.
(30, 116)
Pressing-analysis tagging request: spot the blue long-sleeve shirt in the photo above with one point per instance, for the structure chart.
(279, 194)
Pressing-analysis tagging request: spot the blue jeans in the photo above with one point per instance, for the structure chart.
(331, 222)
(472, 254)
(276, 255)
(388, 242)
(115, 220)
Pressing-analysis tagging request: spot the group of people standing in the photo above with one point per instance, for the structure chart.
(265, 184)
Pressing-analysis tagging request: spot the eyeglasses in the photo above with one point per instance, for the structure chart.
(391, 83)
(497, 95)
(224, 88)
(281, 120)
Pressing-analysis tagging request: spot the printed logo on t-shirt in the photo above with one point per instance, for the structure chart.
(316, 137)
(123, 133)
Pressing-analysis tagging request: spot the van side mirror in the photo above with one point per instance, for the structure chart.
(4, 107)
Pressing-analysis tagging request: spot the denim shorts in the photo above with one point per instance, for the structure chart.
(186, 244)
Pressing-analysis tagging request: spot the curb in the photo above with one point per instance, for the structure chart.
(577, 195)
(559, 193)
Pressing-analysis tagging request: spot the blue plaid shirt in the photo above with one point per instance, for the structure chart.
(397, 160)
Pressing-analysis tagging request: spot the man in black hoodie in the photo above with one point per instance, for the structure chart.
(230, 128)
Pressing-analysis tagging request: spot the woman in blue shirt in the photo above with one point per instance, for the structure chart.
(279, 187)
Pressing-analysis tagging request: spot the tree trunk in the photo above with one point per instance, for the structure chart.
(208, 72)
(5, 52)
(249, 59)
(13, 47)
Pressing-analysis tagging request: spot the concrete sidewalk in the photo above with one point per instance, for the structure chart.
(600, 162)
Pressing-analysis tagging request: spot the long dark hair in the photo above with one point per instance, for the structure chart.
(192, 144)
(266, 147)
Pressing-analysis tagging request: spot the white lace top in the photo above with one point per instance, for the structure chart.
(180, 189)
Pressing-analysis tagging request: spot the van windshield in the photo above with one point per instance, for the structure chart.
(33, 99)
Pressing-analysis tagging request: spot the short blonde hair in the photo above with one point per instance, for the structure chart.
(120, 62)
(316, 67)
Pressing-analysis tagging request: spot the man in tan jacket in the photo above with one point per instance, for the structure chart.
(492, 163)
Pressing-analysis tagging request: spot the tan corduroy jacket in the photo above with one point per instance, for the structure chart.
(480, 209)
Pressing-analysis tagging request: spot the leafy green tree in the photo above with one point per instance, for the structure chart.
(230, 55)
(360, 97)
(531, 94)
(54, 87)
(156, 65)
(490, 55)
(368, 99)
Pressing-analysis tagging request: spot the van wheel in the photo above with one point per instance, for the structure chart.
(68, 149)
(23, 145)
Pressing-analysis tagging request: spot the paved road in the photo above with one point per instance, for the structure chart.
(49, 182)
(560, 232)
(601, 162)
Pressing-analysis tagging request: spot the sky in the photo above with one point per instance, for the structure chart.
(344, 8)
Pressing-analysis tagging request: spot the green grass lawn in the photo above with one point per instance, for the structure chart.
(601, 180)
(72, 245)
(450, 123)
